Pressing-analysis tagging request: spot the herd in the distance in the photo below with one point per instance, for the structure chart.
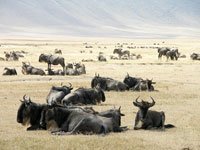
(79, 68)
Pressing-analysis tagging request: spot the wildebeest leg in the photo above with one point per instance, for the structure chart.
(34, 127)
(162, 120)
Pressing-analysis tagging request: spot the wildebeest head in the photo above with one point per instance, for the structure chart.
(43, 58)
(144, 106)
(24, 111)
(98, 80)
(100, 94)
(130, 81)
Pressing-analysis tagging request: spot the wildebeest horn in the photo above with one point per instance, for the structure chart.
(21, 100)
(119, 108)
(24, 97)
(137, 99)
(61, 83)
(127, 74)
(153, 102)
(70, 85)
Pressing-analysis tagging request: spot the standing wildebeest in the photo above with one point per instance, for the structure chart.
(195, 56)
(84, 96)
(52, 59)
(29, 113)
(108, 84)
(148, 119)
(56, 94)
(8, 71)
(173, 54)
(121, 52)
(28, 69)
(68, 121)
(162, 51)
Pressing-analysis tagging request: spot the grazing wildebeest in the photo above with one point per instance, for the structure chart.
(29, 113)
(84, 96)
(173, 54)
(9, 71)
(58, 51)
(121, 52)
(68, 121)
(102, 58)
(52, 59)
(162, 51)
(51, 72)
(195, 56)
(56, 94)
(148, 119)
(108, 84)
(28, 69)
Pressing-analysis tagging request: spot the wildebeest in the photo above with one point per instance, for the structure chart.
(12, 56)
(56, 94)
(9, 71)
(173, 54)
(108, 84)
(162, 51)
(29, 113)
(121, 52)
(68, 121)
(138, 84)
(27, 69)
(148, 119)
(52, 59)
(58, 51)
(195, 56)
(51, 72)
(80, 68)
(84, 96)
(102, 58)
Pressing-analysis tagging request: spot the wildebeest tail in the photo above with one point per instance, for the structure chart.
(169, 126)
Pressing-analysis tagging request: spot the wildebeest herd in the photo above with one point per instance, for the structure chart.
(62, 113)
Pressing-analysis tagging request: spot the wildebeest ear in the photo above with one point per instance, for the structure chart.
(122, 114)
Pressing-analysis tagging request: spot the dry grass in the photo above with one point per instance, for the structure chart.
(178, 96)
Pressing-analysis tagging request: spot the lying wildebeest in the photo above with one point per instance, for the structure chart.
(148, 119)
(195, 56)
(56, 94)
(58, 51)
(162, 51)
(108, 84)
(80, 68)
(9, 71)
(29, 113)
(12, 56)
(51, 72)
(144, 85)
(28, 69)
(131, 81)
(121, 52)
(102, 58)
(173, 54)
(68, 121)
(52, 59)
(84, 96)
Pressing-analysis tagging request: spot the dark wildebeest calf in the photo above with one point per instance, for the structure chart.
(148, 119)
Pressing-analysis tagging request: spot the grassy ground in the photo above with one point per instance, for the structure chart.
(178, 95)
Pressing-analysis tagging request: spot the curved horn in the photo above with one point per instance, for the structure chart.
(24, 97)
(137, 99)
(127, 74)
(119, 108)
(70, 85)
(153, 102)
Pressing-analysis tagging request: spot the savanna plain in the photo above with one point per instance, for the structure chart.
(177, 93)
